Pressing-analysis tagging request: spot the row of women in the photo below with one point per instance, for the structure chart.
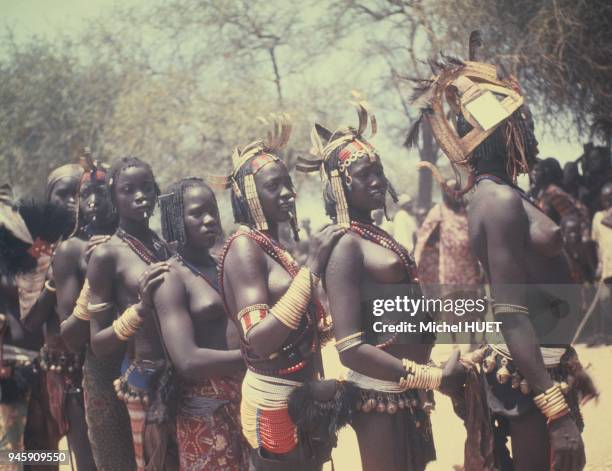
(196, 362)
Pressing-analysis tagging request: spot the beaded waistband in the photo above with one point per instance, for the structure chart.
(367, 382)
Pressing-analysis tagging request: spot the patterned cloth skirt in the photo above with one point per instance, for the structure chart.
(208, 426)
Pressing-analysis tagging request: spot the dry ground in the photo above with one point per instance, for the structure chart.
(450, 434)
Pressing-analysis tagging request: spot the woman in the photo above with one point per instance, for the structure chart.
(531, 391)
(96, 223)
(392, 423)
(194, 327)
(270, 299)
(118, 323)
(37, 298)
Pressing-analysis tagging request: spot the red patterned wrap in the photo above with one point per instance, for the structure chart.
(208, 426)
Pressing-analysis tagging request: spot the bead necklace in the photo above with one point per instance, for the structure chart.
(212, 282)
(381, 237)
(143, 252)
(284, 259)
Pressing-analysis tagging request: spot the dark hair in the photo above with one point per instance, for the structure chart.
(123, 164)
(240, 207)
(494, 151)
(553, 173)
(173, 210)
(333, 163)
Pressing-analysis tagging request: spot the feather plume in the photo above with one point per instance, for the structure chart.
(413, 133)
(475, 42)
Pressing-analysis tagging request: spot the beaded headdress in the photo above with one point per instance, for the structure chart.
(255, 155)
(347, 145)
(476, 96)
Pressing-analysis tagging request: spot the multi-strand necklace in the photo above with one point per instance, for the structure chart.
(143, 252)
(381, 237)
(284, 259)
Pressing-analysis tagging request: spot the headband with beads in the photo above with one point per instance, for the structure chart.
(257, 154)
(355, 148)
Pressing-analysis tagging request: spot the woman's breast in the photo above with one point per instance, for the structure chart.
(382, 265)
(545, 236)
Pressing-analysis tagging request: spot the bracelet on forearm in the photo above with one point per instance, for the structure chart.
(420, 376)
(499, 308)
(81, 310)
(127, 324)
(552, 403)
(291, 307)
(48, 287)
(350, 341)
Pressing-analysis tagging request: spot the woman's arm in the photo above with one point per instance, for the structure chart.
(100, 275)
(343, 278)
(74, 331)
(171, 303)
(41, 311)
(247, 272)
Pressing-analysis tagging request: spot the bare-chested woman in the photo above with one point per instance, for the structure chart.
(37, 297)
(270, 299)
(392, 424)
(202, 343)
(531, 390)
(95, 224)
(114, 272)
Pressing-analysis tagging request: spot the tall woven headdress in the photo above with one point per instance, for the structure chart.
(334, 152)
(481, 97)
(246, 162)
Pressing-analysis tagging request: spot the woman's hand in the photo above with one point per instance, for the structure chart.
(566, 446)
(148, 281)
(453, 375)
(321, 245)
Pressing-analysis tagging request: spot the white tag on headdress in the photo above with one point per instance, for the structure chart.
(487, 110)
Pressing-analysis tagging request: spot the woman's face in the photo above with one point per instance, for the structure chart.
(201, 217)
(64, 193)
(95, 203)
(135, 193)
(275, 191)
(367, 185)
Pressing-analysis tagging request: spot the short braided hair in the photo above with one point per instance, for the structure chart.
(173, 209)
(123, 164)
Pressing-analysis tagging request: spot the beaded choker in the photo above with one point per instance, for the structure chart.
(143, 252)
(214, 283)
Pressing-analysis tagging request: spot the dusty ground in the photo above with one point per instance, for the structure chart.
(450, 434)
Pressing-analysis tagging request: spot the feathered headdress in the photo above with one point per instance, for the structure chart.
(354, 146)
(485, 96)
(257, 154)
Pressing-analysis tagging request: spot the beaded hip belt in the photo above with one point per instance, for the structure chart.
(265, 415)
(496, 360)
(387, 396)
(138, 380)
(61, 362)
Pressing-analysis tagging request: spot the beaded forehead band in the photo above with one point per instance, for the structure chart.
(257, 154)
(355, 148)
